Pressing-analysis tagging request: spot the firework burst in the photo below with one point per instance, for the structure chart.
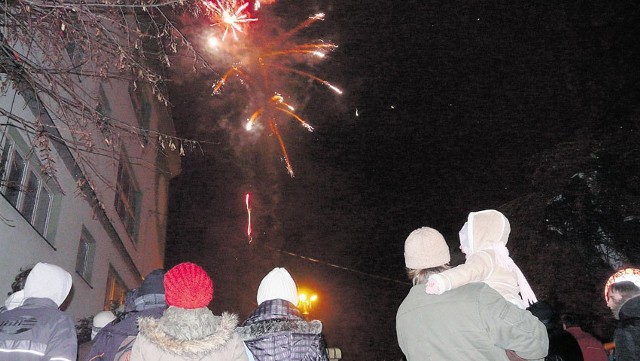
(229, 14)
(263, 64)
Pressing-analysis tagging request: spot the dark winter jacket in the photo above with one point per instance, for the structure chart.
(105, 345)
(276, 331)
(627, 334)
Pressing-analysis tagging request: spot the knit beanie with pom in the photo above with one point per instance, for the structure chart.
(188, 286)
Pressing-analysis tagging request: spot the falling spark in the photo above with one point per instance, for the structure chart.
(229, 14)
(357, 114)
(249, 230)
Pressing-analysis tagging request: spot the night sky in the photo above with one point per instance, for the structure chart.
(447, 108)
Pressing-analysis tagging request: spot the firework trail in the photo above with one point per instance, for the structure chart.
(249, 230)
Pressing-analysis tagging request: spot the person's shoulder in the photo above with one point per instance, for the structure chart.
(475, 286)
(476, 289)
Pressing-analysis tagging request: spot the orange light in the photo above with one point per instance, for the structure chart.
(627, 274)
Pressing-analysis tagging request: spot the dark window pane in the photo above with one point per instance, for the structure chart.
(15, 178)
(4, 161)
(30, 196)
(42, 212)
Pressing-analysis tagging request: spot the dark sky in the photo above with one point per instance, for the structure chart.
(456, 102)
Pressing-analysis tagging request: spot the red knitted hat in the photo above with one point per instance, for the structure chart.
(188, 286)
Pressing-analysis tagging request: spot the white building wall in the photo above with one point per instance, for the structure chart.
(22, 246)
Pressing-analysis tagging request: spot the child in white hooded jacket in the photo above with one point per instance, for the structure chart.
(483, 240)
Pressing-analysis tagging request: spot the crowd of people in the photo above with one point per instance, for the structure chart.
(166, 318)
(483, 309)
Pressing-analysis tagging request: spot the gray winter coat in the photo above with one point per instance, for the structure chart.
(472, 322)
(37, 331)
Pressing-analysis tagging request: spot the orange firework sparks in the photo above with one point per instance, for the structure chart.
(263, 66)
(229, 14)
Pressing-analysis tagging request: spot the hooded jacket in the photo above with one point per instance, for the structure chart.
(38, 330)
(192, 334)
(472, 322)
(487, 259)
(627, 334)
(276, 331)
(149, 303)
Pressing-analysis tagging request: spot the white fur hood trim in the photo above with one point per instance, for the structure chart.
(189, 333)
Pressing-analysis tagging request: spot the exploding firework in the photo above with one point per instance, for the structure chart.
(229, 14)
(263, 64)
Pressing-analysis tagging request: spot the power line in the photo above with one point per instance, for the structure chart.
(336, 266)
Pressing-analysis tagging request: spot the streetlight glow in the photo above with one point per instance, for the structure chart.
(306, 302)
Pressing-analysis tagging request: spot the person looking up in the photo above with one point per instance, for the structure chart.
(483, 240)
(562, 346)
(276, 329)
(38, 330)
(470, 322)
(116, 338)
(16, 296)
(188, 330)
(623, 298)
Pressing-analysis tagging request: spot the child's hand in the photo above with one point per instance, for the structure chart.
(433, 287)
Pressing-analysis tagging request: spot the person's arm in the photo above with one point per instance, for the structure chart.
(512, 328)
(63, 343)
(477, 268)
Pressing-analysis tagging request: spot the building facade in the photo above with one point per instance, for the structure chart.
(91, 197)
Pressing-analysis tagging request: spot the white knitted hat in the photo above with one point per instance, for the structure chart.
(278, 284)
(425, 248)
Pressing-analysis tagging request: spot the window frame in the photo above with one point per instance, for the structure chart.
(85, 264)
(115, 290)
(9, 152)
(127, 201)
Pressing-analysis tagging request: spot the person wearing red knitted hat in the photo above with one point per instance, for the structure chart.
(188, 330)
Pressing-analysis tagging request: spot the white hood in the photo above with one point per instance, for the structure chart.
(48, 281)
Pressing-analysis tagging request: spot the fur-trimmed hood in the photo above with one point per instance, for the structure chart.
(191, 333)
(277, 331)
(267, 328)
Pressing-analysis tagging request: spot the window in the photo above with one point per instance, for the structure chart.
(116, 291)
(24, 187)
(126, 202)
(142, 108)
(104, 115)
(86, 254)
(70, 35)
